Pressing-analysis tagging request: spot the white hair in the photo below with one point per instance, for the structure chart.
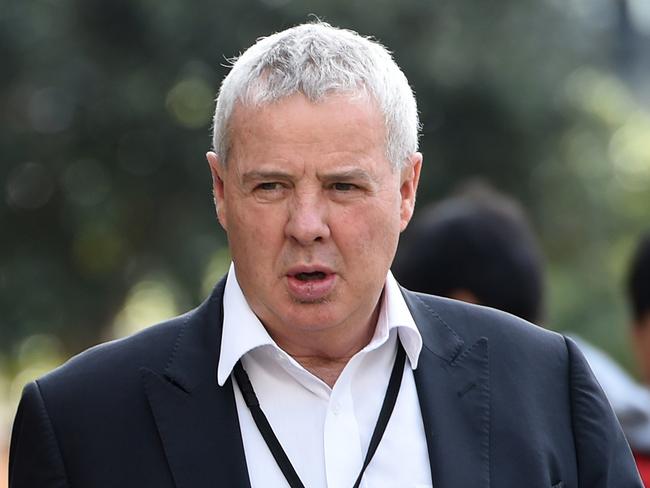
(318, 60)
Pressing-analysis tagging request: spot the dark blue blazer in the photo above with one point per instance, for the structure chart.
(504, 404)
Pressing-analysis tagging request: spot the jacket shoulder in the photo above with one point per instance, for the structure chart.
(452, 310)
(471, 323)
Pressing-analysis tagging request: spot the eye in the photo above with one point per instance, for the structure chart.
(269, 186)
(270, 191)
(344, 187)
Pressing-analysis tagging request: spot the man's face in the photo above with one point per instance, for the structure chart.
(313, 211)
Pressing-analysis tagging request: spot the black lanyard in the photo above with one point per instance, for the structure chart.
(273, 443)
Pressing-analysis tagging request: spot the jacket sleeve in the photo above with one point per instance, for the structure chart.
(603, 455)
(35, 460)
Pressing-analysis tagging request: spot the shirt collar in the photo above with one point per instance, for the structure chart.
(395, 314)
(243, 331)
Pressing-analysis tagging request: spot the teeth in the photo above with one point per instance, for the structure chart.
(316, 275)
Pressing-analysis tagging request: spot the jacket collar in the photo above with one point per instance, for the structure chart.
(453, 384)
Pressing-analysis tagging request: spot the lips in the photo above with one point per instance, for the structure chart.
(310, 284)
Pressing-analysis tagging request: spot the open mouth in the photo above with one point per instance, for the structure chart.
(309, 285)
(313, 276)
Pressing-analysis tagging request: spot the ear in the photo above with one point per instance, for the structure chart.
(409, 179)
(218, 173)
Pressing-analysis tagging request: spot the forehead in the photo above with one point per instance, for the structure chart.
(339, 122)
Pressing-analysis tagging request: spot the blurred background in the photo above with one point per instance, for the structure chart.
(106, 217)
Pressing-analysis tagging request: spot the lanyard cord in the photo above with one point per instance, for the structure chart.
(273, 443)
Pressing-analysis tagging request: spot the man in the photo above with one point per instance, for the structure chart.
(309, 365)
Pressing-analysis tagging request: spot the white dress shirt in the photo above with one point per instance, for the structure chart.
(326, 431)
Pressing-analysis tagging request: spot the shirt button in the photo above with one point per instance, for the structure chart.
(336, 408)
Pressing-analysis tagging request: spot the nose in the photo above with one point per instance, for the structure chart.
(307, 222)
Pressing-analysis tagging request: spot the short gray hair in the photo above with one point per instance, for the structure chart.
(317, 60)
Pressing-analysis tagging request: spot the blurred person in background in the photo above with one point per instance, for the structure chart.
(478, 246)
(309, 365)
(638, 293)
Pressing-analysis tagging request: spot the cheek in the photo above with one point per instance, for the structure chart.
(372, 234)
(255, 234)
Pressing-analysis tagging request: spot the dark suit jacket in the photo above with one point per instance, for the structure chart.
(504, 404)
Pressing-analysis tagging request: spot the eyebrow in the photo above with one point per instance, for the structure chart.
(258, 175)
(353, 174)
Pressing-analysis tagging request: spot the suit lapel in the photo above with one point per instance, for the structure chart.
(196, 419)
(453, 387)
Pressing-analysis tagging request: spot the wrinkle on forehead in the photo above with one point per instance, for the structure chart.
(278, 126)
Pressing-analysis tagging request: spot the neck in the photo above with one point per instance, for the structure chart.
(326, 353)
(326, 369)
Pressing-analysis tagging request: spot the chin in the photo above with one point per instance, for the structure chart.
(314, 302)
(312, 316)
